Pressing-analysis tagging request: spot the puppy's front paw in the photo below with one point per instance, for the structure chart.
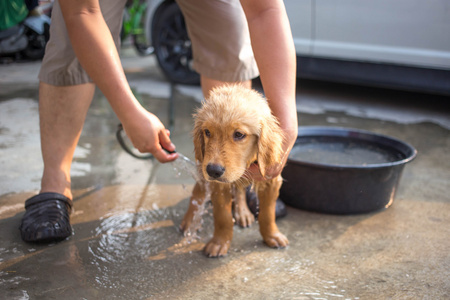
(185, 225)
(243, 216)
(216, 247)
(276, 240)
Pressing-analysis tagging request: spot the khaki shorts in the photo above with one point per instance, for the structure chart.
(60, 66)
(218, 31)
(220, 39)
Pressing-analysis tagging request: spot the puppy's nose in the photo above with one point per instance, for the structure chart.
(215, 171)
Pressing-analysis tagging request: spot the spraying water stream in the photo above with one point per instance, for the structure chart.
(184, 164)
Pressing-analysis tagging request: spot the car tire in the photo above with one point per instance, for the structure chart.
(172, 45)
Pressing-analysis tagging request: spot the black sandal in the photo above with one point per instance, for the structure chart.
(46, 218)
(253, 204)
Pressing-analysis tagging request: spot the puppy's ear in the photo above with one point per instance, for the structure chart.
(269, 144)
(199, 142)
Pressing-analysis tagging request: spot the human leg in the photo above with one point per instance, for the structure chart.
(62, 111)
(222, 53)
(65, 94)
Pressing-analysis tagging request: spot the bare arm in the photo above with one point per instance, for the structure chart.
(95, 49)
(274, 52)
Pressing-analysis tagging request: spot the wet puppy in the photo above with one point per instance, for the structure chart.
(233, 129)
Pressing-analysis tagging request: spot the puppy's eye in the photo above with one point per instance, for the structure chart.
(237, 136)
(207, 133)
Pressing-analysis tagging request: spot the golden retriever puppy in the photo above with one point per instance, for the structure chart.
(233, 129)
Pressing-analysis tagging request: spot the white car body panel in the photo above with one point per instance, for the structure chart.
(403, 32)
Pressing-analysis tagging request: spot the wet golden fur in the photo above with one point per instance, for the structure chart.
(233, 129)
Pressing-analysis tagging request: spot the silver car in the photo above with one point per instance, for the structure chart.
(404, 44)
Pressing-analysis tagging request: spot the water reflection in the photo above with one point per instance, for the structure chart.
(128, 249)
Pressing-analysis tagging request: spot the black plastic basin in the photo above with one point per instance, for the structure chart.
(343, 170)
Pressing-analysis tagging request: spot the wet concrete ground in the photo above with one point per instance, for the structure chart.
(126, 244)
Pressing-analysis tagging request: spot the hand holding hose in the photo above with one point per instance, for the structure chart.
(149, 135)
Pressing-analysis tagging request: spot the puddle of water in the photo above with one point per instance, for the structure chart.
(130, 249)
(129, 234)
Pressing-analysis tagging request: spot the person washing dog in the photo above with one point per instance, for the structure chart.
(231, 41)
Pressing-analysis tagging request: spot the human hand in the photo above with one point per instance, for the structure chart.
(149, 135)
(270, 172)
(275, 170)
